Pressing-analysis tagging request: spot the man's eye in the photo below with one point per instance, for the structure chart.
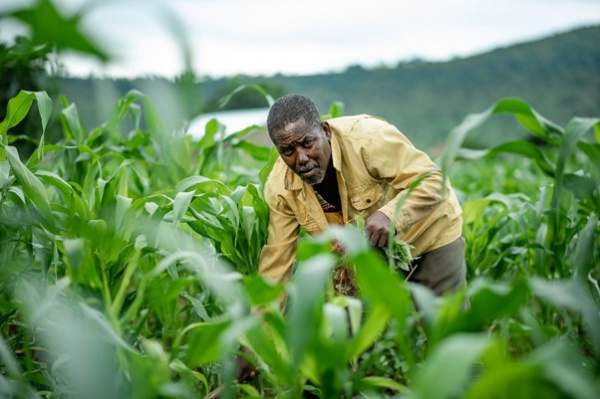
(287, 151)
(307, 142)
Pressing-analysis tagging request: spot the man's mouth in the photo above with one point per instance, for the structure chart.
(307, 172)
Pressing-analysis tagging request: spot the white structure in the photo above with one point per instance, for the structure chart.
(234, 121)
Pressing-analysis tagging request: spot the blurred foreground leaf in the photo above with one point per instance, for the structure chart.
(48, 25)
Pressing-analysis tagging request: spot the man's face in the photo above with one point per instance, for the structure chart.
(306, 150)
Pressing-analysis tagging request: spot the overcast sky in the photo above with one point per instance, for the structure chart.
(265, 37)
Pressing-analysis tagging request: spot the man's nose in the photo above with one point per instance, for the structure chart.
(302, 156)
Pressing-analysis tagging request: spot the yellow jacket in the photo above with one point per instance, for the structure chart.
(374, 163)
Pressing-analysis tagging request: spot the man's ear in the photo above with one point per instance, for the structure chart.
(326, 129)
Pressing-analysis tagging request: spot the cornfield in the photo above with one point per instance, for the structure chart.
(128, 266)
(129, 256)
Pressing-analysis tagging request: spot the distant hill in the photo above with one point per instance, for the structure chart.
(559, 76)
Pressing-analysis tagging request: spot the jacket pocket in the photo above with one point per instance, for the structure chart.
(365, 197)
(308, 223)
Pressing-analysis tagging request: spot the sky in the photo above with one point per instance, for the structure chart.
(266, 37)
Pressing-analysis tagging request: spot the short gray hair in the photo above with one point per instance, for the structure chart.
(290, 108)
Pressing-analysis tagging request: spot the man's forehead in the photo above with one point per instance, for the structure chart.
(297, 126)
(295, 130)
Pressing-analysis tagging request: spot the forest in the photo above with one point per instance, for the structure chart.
(557, 75)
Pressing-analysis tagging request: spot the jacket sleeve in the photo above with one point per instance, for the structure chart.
(393, 158)
(278, 255)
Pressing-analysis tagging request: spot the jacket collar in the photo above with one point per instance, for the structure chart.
(292, 180)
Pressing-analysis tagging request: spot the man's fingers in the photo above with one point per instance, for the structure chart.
(382, 240)
(377, 227)
(378, 238)
(373, 238)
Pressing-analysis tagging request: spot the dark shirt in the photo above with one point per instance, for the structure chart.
(328, 193)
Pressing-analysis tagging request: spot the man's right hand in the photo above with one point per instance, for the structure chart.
(377, 227)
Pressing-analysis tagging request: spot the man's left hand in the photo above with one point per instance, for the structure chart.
(377, 227)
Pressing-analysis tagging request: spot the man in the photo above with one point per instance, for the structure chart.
(357, 166)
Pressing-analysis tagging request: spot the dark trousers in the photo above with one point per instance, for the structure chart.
(443, 269)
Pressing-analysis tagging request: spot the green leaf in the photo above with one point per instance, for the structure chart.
(8, 361)
(571, 294)
(122, 212)
(153, 119)
(376, 321)
(33, 188)
(355, 310)
(71, 197)
(202, 184)
(236, 137)
(428, 304)
(223, 101)
(263, 175)
(552, 370)
(378, 283)
(17, 109)
(335, 321)
(473, 209)
(250, 391)
(563, 367)
(198, 306)
(574, 131)
(16, 195)
(306, 299)
(211, 129)
(586, 250)
(256, 151)
(81, 263)
(266, 343)
(4, 169)
(382, 382)
(592, 150)
(71, 123)
(582, 186)
(261, 291)
(44, 107)
(181, 204)
(488, 301)
(530, 119)
(518, 380)
(204, 342)
(336, 109)
(180, 367)
(450, 365)
(48, 25)
(526, 149)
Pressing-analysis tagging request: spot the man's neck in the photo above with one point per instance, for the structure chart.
(328, 192)
(330, 180)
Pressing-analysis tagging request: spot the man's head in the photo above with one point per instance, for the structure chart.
(303, 141)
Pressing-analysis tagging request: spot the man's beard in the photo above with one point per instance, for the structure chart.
(315, 178)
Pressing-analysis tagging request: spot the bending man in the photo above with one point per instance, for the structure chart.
(333, 171)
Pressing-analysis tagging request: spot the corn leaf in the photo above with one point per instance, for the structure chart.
(17, 109)
(450, 365)
(48, 25)
(34, 190)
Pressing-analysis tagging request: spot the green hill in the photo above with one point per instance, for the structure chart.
(558, 75)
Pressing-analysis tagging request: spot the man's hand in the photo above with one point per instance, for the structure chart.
(377, 227)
